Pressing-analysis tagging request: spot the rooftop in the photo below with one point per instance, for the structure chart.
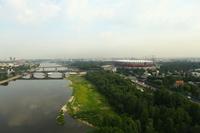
(135, 61)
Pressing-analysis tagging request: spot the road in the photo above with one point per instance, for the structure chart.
(10, 79)
(142, 84)
(154, 89)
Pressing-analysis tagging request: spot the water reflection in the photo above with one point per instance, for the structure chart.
(31, 106)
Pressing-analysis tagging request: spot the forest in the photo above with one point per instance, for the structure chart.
(133, 72)
(180, 66)
(3, 75)
(87, 65)
(143, 112)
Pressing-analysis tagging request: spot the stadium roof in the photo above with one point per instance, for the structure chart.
(134, 61)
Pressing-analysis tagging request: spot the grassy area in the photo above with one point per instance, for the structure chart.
(87, 104)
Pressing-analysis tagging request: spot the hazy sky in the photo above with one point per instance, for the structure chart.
(99, 28)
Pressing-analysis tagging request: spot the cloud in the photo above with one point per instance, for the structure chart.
(165, 15)
(26, 11)
(44, 11)
(84, 13)
(129, 15)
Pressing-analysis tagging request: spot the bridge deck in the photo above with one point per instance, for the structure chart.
(52, 67)
(48, 71)
(40, 78)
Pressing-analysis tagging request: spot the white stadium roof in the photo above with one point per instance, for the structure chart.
(134, 61)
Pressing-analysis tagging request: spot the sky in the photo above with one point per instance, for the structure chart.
(99, 28)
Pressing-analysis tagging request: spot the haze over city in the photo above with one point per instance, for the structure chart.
(99, 28)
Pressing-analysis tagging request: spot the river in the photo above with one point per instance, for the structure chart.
(31, 106)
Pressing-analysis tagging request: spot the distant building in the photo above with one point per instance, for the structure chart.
(197, 70)
(109, 68)
(3, 65)
(3, 71)
(179, 83)
(146, 74)
(82, 73)
(196, 74)
(73, 73)
(156, 73)
(10, 71)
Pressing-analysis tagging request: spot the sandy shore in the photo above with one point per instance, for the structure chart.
(65, 108)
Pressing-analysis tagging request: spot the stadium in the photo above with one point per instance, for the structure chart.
(134, 63)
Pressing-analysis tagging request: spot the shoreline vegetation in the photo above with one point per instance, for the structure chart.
(91, 108)
(86, 104)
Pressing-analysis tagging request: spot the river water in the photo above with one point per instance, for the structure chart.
(31, 106)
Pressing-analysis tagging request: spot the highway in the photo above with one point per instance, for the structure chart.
(144, 85)
(155, 89)
(141, 84)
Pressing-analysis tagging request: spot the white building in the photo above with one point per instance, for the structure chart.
(196, 74)
(109, 68)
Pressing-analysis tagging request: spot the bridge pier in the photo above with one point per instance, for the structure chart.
(46, 75)
(63, 75)
(31, 75)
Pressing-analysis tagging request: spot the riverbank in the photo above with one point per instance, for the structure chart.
(86, 104)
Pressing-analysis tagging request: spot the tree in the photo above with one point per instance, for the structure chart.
(195, 129)
(149, 127)
(108, 130)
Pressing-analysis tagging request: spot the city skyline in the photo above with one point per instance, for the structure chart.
(99, 28)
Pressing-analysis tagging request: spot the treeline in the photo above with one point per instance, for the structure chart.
(87, 65)
(160, 112)
(132, 72)
(3, 75)
(178, 66)
(22, 69)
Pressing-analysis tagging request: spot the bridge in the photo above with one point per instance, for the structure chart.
(43, 70)
(45, 76)
(32, 77)
(46, 72)
(50, 69)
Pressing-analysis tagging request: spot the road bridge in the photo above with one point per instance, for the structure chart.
(44, 70)
(46, 78)
(45, 75)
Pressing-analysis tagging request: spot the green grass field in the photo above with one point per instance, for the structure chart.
(87, 104)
